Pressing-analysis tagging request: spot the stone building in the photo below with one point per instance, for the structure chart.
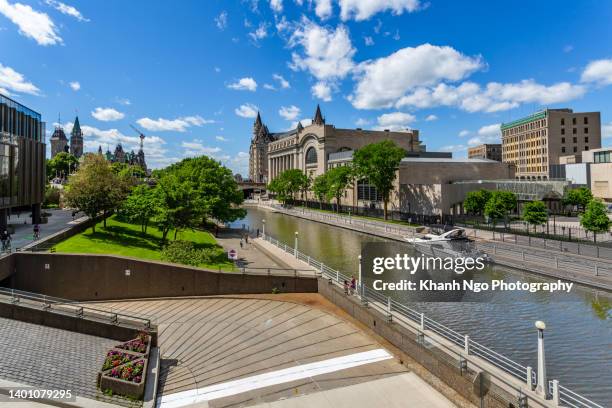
(535, 143)
(121, 156)
(76, 139)
(59, 141)
(491, 151)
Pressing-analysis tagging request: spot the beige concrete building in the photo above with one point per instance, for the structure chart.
(536, 142)
(486, 151)
(600, 172)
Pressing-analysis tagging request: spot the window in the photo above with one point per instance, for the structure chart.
(563, 131)
(562, 140)
(562, 121)
(573, 121)
(586, 130)
(575, 149)
(586, 139)
(574, 130)
(586, 120)
(563, 149)
(367, 192)
(575, 140)
(586, 147)
(311, 156)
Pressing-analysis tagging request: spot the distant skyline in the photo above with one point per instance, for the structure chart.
(193, 76)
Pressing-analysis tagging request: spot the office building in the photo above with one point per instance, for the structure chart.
(486, 151)
(536, 142)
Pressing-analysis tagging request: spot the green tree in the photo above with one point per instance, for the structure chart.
(378, 163)
(94, 188)
(578, 197)
(535, 213)
(61, 165)
(338, 180)
(140, 206)
(499, 205)
(475, 201)
(212, 184)
(288, 183)
(320, 188)
(595, 218)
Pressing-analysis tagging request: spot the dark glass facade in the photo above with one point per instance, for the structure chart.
(22, 156)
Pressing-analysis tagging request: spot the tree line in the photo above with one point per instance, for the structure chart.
(377, 163)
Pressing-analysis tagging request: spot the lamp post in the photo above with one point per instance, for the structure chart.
(296, 245)
(359, 284)
(542, 387)
(263, 228)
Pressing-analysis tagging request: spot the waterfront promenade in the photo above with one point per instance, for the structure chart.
(503, 249)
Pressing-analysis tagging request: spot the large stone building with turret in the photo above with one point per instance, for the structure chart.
(59, 141)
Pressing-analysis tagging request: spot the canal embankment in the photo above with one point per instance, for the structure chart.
(551, 262)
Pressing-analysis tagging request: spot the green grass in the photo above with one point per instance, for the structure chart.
(121, 238)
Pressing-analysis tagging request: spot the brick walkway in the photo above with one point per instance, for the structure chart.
(46, 357)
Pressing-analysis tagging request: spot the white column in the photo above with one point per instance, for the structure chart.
(542, 386)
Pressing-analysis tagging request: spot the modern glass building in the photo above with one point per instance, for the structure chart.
(22, 159)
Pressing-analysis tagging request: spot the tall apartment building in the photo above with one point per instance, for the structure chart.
(536, 142)
(491, 151)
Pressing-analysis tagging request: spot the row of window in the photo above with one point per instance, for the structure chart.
(575, 149)
(602, 157)
(585, 120)
(575, 131)
(575, 139)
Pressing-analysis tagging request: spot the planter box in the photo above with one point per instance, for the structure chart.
(126, 387)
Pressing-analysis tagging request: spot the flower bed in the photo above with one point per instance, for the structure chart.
(125, 367)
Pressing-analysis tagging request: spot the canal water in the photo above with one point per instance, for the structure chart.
(579, 324)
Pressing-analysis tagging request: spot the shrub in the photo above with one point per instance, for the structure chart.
(184, 252)
(52, 197)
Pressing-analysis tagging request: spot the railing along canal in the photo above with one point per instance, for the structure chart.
(561, 396)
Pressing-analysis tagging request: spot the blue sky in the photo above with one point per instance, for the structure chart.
(192, 76)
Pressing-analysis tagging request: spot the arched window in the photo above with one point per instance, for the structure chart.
(311, 156)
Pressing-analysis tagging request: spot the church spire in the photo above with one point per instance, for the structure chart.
(257, 126)
(318, 118)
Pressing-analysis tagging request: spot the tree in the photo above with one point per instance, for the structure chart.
(475, 201)
(338, 180)
(595, 218)
(578, 197)
(94, 188)
(320, 188)
(499, 205)
(212, 184)
(535, 213)
(378, 163)
(140, 206)
(288, 183)
(61, 164)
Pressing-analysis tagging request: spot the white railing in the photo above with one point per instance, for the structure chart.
(401, 312)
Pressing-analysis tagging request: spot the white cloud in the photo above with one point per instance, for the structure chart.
(269, 87)
(452, 148)
(276, 5)
(464, 133)
(323, 9)
(176, 125)
(364, 9)
(197, 148)
(327, 54)
(239, 164)
(431, 118)
(281, 81)
(304, 122)
(75, 85)
(107, 114)
(322, 90)
(381, 82)
(494, 97)
(221, 20)
(66, 9)
(395, 120)
(244, 84)
(369, 41)
(599, 72)
(260, 33)
(33, 24)
(486, 134)
(221, 139)
(247, 110)
(11, 80)
(289, 112)
(124, 101)
(606, 130)
(362, 122)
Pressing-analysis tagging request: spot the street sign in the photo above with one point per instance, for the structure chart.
(232, 255)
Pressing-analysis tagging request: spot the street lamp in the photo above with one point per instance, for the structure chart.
(359, 285)
(542, 387)
(296, 244)
(263, 228)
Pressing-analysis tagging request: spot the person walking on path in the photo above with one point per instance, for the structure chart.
(240, 243)
(346, 287)
(353, 285)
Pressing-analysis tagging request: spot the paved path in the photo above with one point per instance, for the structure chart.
(46, 357)
(224, 352)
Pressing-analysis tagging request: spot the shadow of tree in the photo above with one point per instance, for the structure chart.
(124, 236)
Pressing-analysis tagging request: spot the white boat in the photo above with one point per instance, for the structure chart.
(457, 234)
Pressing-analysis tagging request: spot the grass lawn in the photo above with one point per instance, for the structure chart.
(121, 238)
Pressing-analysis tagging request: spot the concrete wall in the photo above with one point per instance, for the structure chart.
(103, 277)
(475, 386)
(601, 180)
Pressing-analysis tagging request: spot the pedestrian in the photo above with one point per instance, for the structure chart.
(257, 232)
(353, 285)
(240, 243)
(346, 287)
(246, 238)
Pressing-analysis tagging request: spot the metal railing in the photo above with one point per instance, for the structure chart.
(470, 348)
(72, 308)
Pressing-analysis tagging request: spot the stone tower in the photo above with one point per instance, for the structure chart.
(59, 142)
(76, 139)
(258, 152)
